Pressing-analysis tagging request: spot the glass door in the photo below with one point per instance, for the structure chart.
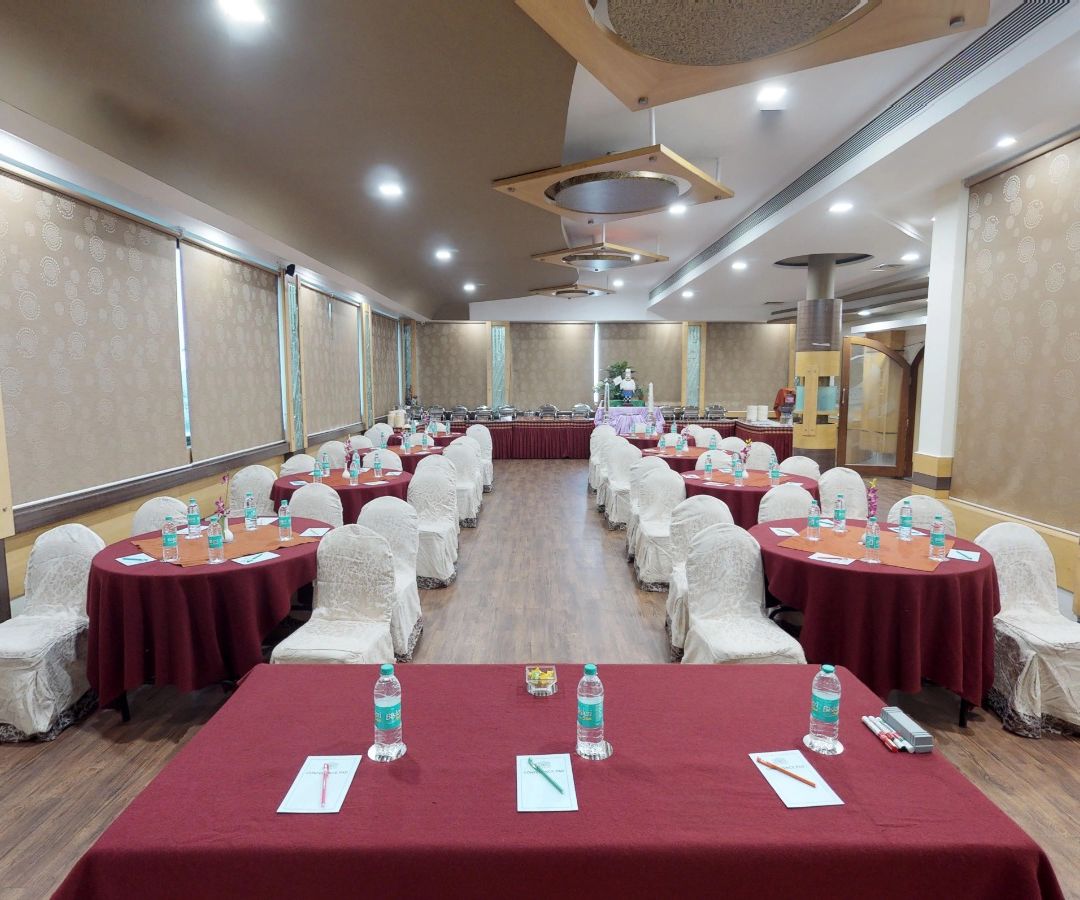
(874, 414)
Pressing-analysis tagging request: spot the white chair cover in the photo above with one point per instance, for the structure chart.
(637, 472)
(482, 435)
(687, 519)
(359, 442)
(923, 510)
(760, 455)
(848, 482)
(43, 651)
(727, 622)
(639, 428)
(378, 433)
(668, 440)
(732, 444)
(353, 605)
(705, 435)
(470, 479)
(398, 522)
(1036, 648)
(300, 464)
(335, 450)
(433, 494)
(257, 479)
(419, 439)
(660, 492)
(720, 459)
(151, 515)
(604, 470)
(388, 458)
(621, 458)
(317, 501)
(597, 442)
(801, 465)
(785, 501)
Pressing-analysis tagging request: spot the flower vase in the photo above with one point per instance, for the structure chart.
(226, 531)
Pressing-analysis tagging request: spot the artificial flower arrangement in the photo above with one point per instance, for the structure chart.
(871, 499)
(221, 507)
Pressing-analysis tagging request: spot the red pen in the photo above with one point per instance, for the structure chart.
(870, 723)
(325, 780)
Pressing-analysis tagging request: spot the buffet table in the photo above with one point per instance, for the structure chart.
(624, 418)
(540, 438)
(679, 807)
(779, 437)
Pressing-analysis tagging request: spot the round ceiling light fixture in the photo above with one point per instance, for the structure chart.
(614, 192)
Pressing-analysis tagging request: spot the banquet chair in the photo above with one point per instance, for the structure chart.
(1036, 649)
(704, 435)
(660, 492)
(299, 464)
(687, 519)
(719, 459)
(418, 440)
(923, 510)
(637, 472)
(603, 493)
(359, 442)
(43, 685)
(433, 494)
(151, 515)
(335, 452)
(353, 604)
(598, 459)
(398, 522)
(801, 465)
(378, 433)
(668, 440)
(482, 436)
(696, 431)
(257, 479)
(785, 501)
(840, 480)
(317, 501)
(621, 457)
(732, 444)
(470, 479)
(389, 459)
(725, 603)
(760, 455)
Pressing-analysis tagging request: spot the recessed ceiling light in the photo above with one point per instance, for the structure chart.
(865, 312)
(677, 209)
(247, 11)
(468, 287)
(1006, 141)
(443, 255)
(391, 189)
(635, 258)
(618, 282)
(841, 206)
(686, 295)
(738, 265)
(771, 96)
(909, 257)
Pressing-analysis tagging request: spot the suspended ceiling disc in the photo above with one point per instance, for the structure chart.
(572, 291)
(600, 257)
(614, 192)
(599, 262)
(803, 261)
(722, 32)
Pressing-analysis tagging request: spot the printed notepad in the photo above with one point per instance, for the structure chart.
(307, 794)
(793, 793)
(535, 793)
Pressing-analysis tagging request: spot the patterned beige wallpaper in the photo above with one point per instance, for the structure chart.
(1018, 417)
(89, 344)
(233, 353)
(550, 363)
(745, 363)
(330, 361)
(654, 350)
(384, 363)
(451, 362)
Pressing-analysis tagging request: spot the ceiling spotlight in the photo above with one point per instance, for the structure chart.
(686, 295)
(1007, 141)
(247, 11)
(841, 206)
(468, 287)
(909, 257)
(443, 255)
(677, 209)
(635, 258)
(738, 265)
(771, 97)
(865, 312)
(618, 282)
(391, 189)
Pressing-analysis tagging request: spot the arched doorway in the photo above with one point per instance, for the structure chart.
(875, 409)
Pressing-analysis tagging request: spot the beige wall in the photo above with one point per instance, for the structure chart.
(1020, 343)
(550, 363)
(654, 351)
(452, 363)
(384, 364)
(745, 363)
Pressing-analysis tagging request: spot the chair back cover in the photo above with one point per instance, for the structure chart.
(466, 441)
(388, 458)
(785, 501)
(317, 501)
(433, 493)
(760, 455)
(58, 570)
(848, 482)
(690, 517)
(724, 573)
(600, 434)
(355, 581)
(923, 510)
(621, 456)
(1027, 577)
(151, 515)
(335, 450)
(668, 440)
(257, 479)
(300, 464)
(437, 462)
(719, 458)
(696, 431)
(482, 435)
(659, 492)
(359, 442)
(801, 465)
(638, 471)
(378, 432)
(465, 457)
(418, 439)
(732, 444)
(398, 523)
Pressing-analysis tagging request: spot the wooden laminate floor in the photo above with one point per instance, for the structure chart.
(541, 579)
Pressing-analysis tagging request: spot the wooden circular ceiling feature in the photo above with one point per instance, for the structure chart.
(614, 192)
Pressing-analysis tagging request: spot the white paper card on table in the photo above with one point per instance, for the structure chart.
(266, 520)
(830, 558)
(536, 794)
(793, 793)
(298, 483)
(136, 559)
(914, 532)
(305, 795)
(184, 530)
(691, 476)
(255, 557)
(377, 482)
(391, 474)
(314, 532)
(964, 555)
(785, 532)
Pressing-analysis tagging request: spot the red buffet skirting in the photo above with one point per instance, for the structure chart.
(777, 436)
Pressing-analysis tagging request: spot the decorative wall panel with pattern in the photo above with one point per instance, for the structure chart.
(452, 363)
(89, 344)
(384, 364)
(1020, 343)
(745, 363)
(654, 350)
(550, 363)
(330, 338)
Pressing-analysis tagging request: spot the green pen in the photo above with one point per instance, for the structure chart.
(550, 780)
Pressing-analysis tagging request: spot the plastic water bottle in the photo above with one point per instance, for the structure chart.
(738, 469)
(590, 716)
(383, 444)
(813, 522)
(284, 522)
(825, 714)
(216, 540)
(674, 430)
(354, 469)
(774, 471)
(316, 474)
(712, 441)
(649, 429)
(325, 463)
(388, 745)
(937, 539)
(708, 467)
(194, 520)
(839, 515)
(905, 521)
(378, 465)
(251, 512)
(872, 541)
(170, 550)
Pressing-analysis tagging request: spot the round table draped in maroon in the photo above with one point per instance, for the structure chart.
(643, 441)
(353, 497)
(441, 440)
(891, 626)
(410, 459)
(186, 626)
(678, 460)
(742, 501)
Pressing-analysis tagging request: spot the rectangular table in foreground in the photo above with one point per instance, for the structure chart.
(678, 809)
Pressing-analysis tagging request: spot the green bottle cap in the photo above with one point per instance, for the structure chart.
(872, 519)
(590, 669)
(386, 669)
(827, 669)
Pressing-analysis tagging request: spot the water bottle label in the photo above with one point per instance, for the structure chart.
(251, 513)
(168, 540)
(590, 714)
(872, 541)
(216, 541)
(937, 540)
(823, 709)
(284, 522)
(905, 521)
(193, 520)
(388, 717)
(839, 515)
(814, 521)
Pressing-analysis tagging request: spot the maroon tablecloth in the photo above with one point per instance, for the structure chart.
(189, 627)
(352, 498)
(777, 436)
(742, 501)
(892, 627)
(551, 438)
(679, 809)
(643, 442)
(683, 461)
(441, 440)
(410, 459)
(502, 439)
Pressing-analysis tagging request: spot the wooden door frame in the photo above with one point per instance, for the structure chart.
(916, 374)
(903, 412)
